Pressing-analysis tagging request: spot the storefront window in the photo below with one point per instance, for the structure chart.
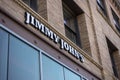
(3, 57)
(51, 69)
(69, 75)
(23, 61)
(20, 61)
(55, 71)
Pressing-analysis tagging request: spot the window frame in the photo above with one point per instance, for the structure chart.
(73, 29)
(3, 57)
(62, 64)
(116, 20)
(32, 4)
(111, 49)
(14, 68)
(101, 6)
(72, 33)
(41, 52)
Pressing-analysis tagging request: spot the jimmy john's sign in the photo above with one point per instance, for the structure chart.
(31, 20)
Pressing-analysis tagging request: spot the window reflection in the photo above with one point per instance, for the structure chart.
(69, 75)
(51, 69)
(3, 54)
(23, 61)
(54, 71)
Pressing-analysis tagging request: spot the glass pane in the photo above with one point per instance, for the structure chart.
(69, 17)
(51, 69)
(27, 2)
(33, 4)
(116, 20)
(23, 61)
(69, 75)
(100, 2)
(80, 78)
(3, 54)
(70, 34)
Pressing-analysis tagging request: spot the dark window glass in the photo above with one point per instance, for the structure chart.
(23, 61)
(70, 34)
(31, 3)
(113, 64)
(70, 23)
(3, 54)
(112, 49)
(51, 69)
(101, 5)
(116, 20)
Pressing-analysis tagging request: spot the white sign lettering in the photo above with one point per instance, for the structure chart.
(29, 19)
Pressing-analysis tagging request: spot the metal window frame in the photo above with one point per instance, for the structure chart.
(40, 53)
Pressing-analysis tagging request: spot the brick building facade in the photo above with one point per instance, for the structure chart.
(60, 39)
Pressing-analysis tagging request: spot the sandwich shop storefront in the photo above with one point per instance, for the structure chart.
(25, 56)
